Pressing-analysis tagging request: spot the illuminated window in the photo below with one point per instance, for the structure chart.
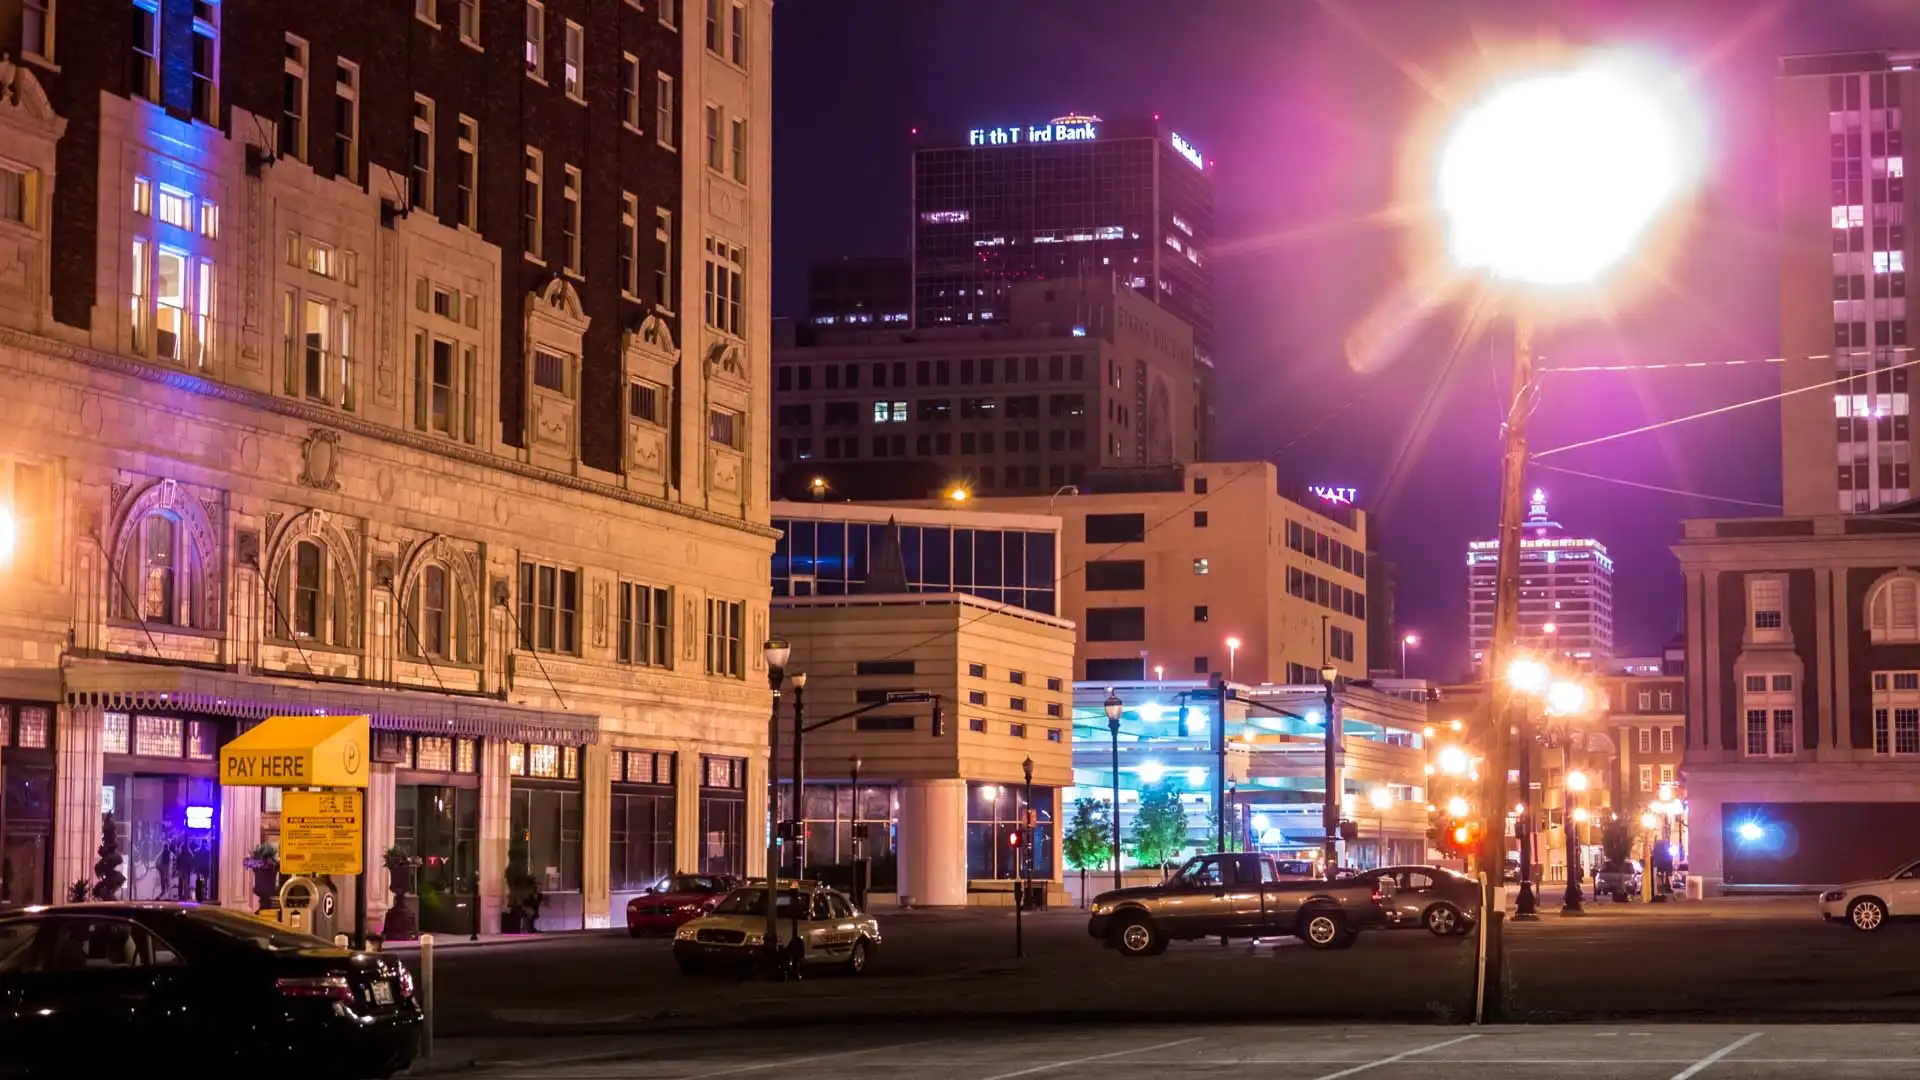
(470, 21)
(420, 162)
(723, 290)
(1896, 712)
(206, 61)
(176, 207)
(570, 218)
(629, 245)
(170, 284)
(1893, 611)
(664, 128)
(141, 291)
(346, 119)
(1767, 706)
(630, 90)
(466, 180)
(663, 260)
(532, 211)
(536, 40)
(445, 386)
(318, 346)
(142, 195)
(162, 574)
(293, 100)
(209, 219)
(203, 301)
(740, 150)
(143, 63)
(573, 70)
(36, 29)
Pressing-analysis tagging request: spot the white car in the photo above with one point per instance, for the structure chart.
(829, 930)
(1867, 905)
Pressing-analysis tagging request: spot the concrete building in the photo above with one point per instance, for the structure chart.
(1077, 196)
(1165, 567)
(377, 398)
(1566, 591)
(1082, 374)
(877, 600)
(1802, 736)
(1845, 250)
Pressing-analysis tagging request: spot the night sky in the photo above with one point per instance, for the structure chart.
(1310, 112)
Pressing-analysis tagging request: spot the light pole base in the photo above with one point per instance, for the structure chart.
(1572, 909)
(1526, 906)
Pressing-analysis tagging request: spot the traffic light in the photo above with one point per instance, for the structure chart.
(939, 721)
(1013, 838)
(1462, 835)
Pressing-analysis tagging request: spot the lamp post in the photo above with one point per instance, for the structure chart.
(776, 651)
(855, 841)
(1233, 654)
(1330, 808)
(797, 811)
(1570, 904)
(1023, 873)
(1114, 707)
(1220, 755)
(1412, 640)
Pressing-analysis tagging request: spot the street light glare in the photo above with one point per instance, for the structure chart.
(1566, 698)
(1381, 798)
(1457, 806)
(8, 533)
(1527, 675)
(1453, 761)
(1553, 178)
(1576, 781)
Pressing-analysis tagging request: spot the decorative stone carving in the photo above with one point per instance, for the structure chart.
(723, 361)
(200, 531)
(653, 335)
(689, 629)
(340, 537)
(759, 634)
(387, 324)
(599, 614)
(246, 548)
(463, 571)
(320, 460)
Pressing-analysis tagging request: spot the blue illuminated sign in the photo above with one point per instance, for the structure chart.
(1190, 152)
(1059, 130)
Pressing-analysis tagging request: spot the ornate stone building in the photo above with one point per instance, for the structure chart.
(400, 360)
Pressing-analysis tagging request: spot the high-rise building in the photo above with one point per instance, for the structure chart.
(1845, 249)
(1075, 196)
(347, 348)
(1566, 590)
(861, 293)
(1082, 374)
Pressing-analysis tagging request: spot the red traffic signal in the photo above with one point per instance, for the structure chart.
(1013, 838)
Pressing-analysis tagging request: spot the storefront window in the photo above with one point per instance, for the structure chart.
(833, 826)
(545, 839)
(440, 825)
(163, 827)
(994, 811)
(643, 819)
(723, 815)
(26, 812)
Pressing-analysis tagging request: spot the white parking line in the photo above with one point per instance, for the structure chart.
(786, 1062)
(1415, 1052)
(1052, 1065)
(1708, 1062)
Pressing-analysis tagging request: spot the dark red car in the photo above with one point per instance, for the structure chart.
(675, 899)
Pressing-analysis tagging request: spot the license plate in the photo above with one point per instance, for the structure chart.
(383, 993)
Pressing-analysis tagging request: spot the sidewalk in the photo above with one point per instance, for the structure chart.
(442, 942)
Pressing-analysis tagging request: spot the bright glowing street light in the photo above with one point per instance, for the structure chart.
(1566, 698)
(1453, 761)
(1457, 806)
(1381, 798)
(1527, 675)
(1580, 815)
(1649, 821)
(8, 534)
(1555, 177)
(1576, 781)
(1233, 653)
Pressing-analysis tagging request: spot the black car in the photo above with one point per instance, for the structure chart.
(1444, 902)
(227, 989)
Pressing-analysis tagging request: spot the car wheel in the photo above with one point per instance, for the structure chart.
(1444, 920)
(858, 958)
(1323, 929)
(1136, 936)
(1867, 913)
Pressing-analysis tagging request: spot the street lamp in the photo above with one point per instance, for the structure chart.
(1023, 872)
(1114, 708)
(958, 494)
(776, 652)
(1570, 903)
(797, 812)
(1457, 806)
(1453, 761)
(1382, 800)
(1233, 651)
(818, 488)
(1330, 738)
(9, 533)
(1409, 640)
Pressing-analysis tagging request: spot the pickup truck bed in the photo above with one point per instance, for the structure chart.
(1234, 896)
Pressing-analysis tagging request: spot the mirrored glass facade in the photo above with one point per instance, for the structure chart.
(836, 558)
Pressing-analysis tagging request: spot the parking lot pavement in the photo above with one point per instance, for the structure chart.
(1276, 1052)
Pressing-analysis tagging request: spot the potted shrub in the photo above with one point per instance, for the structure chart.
(264, 861)
(403, 922)
(107, 876)
(77, 892)
(524, 898)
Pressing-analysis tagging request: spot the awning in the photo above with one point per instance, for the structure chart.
(125, 686)
(298, 751)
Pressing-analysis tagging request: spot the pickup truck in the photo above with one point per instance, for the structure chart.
(1236, 896)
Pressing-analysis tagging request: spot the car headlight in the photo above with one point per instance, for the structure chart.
(685, 933)
(1831, 897)
(1103, 909)
(755, 940)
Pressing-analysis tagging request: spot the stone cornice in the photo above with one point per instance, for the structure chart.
(253, 399)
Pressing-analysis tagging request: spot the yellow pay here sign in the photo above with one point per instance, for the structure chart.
(321, 832)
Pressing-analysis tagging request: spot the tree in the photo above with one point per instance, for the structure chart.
(1617, 841)
(1159, 826)
(1089, 839)
(107, 876)
(1236, 826)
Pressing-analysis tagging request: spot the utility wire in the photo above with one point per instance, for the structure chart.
(1570, 369)
(1656, 487)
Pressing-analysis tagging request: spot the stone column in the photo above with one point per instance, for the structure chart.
(688, 844)
(495, 822)
(77, 775)
(239, 835)
(756, 830)
(1056, 871)
(378, 825)
(933, 842)
(596, 805)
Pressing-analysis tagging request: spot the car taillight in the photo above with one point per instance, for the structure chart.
(328, 987)
(1377, 897)
(406, 983)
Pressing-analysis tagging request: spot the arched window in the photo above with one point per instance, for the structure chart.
(1894, 610)
(160, 574)
(310, 598)
(437, 616)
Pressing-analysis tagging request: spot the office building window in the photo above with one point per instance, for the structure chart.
(293, 93)
(536, 46)
(532, 204)
(346, 119)
(420, 163)
(549, 609)
(1768, 705)
(205, 57)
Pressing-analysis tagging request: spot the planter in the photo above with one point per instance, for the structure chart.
(402, 922)
(516, 921)
(400, 877)
(266, 884)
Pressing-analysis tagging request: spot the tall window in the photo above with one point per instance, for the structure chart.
(629, 244)
(716, 149)
(724, 428)
(346, 119)
(172, 297)
(737, 33)
(532, 195)
(319, 348)
(715, 15)
(1768, 705)
(669, 13)
(630, 90)
(143, 57)
(536, 40)
(206, 60)
(574, 61)
(1896, 713)
(725, 623)
(663, 259)
(36, 28)
(646, 620)
(141, 292)
(724, 274)
(1894, 611)
(739, 149)
(466, 181)
(570, 217)
(311, 598)
(549, 609)
(161, 577)
(664, 128)
(293, 100)
(470, 21)
(420, 158)
(437, 611)
(444, 377)
(1766, 607)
